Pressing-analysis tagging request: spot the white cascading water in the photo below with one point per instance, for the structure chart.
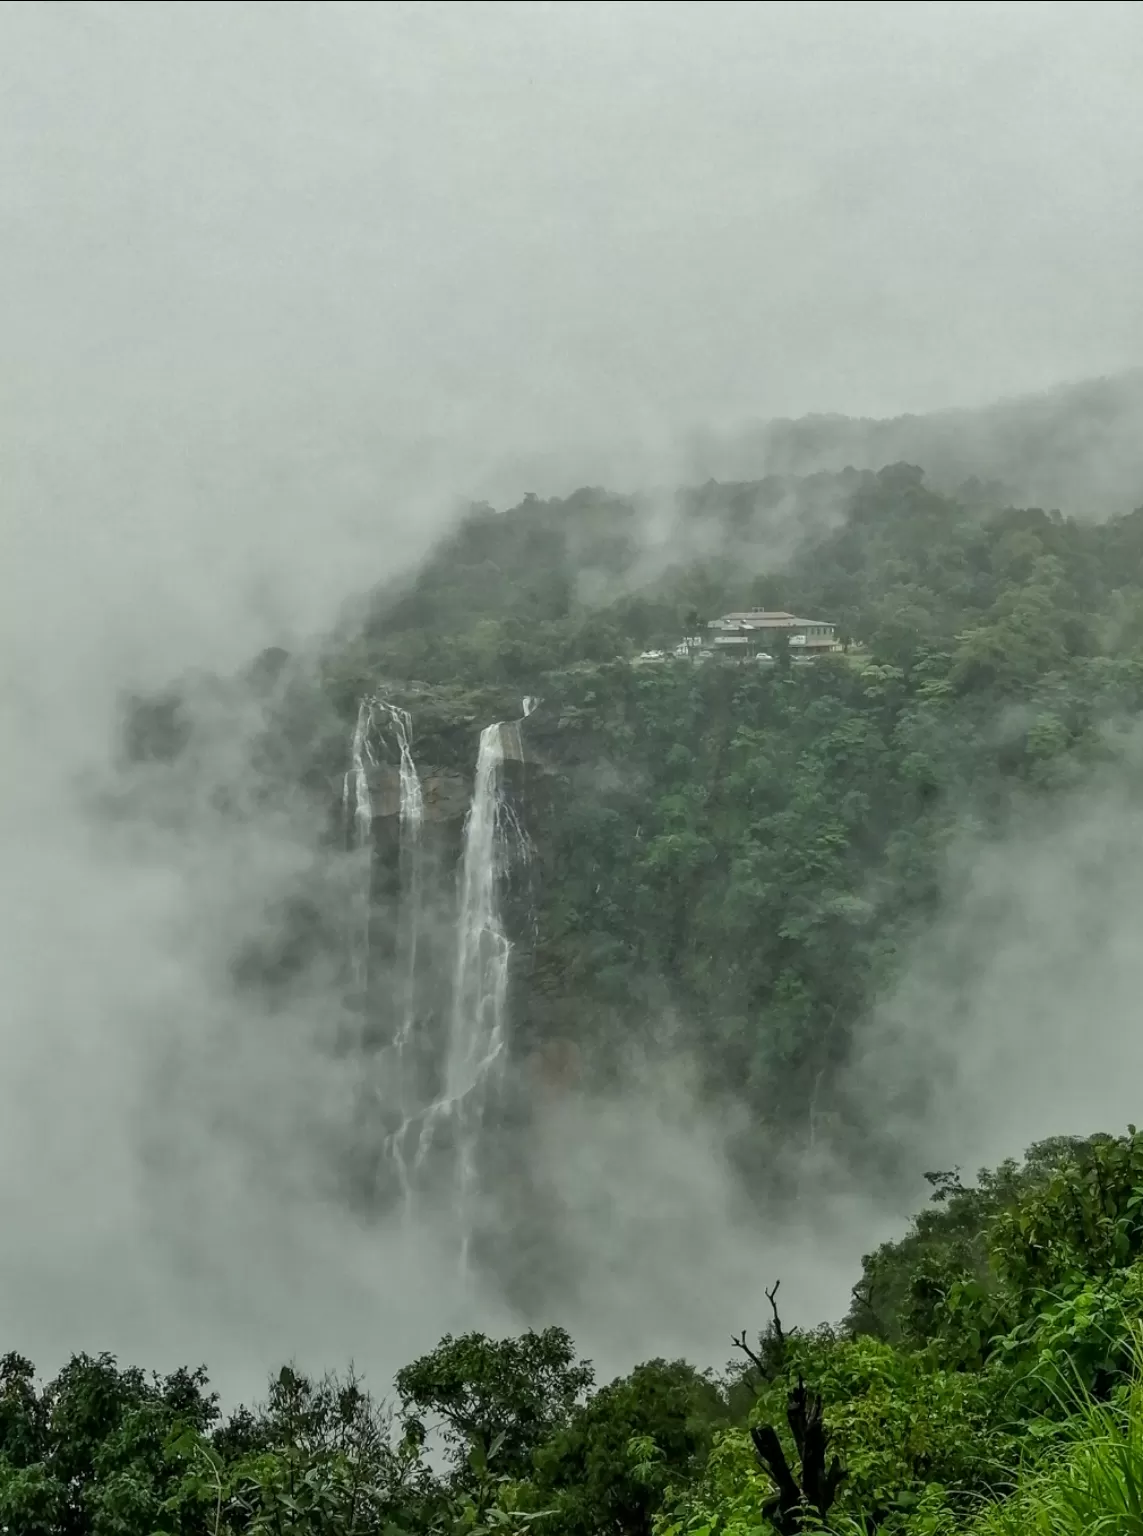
(411, 814)
(357, 806)
(493, 840)
(412, 806)
(480, 979)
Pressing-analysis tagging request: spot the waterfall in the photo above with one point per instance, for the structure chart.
(493, 841)
(472, 1052)
(360, 750)
(401, 1086)
(357, 809)
(411, 815)
(480, 980)
(412, 807)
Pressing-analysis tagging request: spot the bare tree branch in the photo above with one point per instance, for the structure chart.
(741, 1344)
(766, 1372)
(778, 1333)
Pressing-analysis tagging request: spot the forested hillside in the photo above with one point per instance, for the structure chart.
(748, 849)
(752, 847)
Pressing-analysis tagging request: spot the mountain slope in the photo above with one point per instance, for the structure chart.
(1078, 447)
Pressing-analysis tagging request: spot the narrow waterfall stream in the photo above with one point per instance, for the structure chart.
(473, 1050)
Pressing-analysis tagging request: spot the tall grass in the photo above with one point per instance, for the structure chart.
(1092, 1481)
(1093, 1484)
(1087, 1480)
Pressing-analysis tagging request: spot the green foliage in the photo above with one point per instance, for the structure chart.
(754, 846)
(1032, 1274)
(725, 1498)
(1088, 1219)
(760, 844)
(905, 1284)
(909, 1433)
(1008, 1398)
(103, 1451)
(1090, 1478)
(514, 1393)
(903, 1427)
(607, 1469)
(24, 1414)
(86, 1456)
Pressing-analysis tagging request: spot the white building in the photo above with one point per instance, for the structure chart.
(745, 630)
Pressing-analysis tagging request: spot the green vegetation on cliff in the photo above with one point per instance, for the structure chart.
(751, 848)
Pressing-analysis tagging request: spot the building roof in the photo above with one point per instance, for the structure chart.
(768, 618)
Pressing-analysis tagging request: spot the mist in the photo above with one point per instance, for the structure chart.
(1016, 1017)
(285, 285)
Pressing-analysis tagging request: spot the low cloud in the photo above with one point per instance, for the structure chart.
(1019, 1013)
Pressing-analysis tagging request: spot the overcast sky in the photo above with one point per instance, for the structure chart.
(525, 219)
(259, 261)
(276, 281)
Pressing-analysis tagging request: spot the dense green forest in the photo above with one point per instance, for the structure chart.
(987, 1380)
(754, 849)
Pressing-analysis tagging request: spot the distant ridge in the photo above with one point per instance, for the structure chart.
(1078, 447)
